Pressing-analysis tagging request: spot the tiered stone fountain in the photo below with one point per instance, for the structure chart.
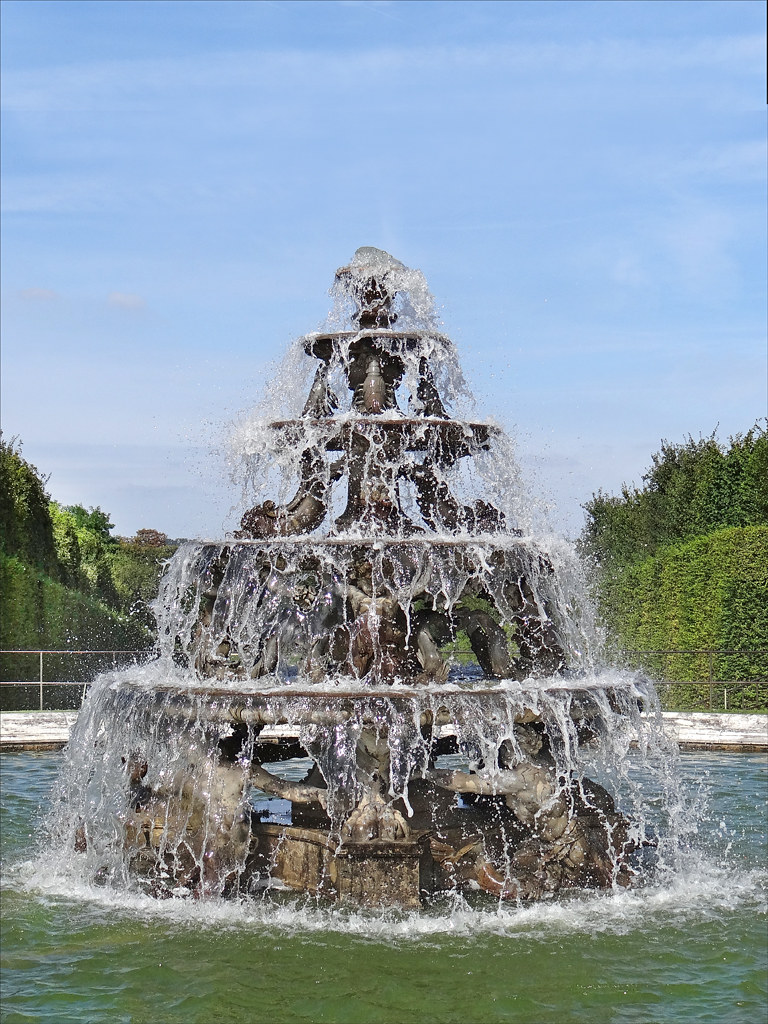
(327, 631)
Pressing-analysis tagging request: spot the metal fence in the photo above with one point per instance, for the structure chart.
(24, 672)
(29, 676)
(736, 695)
(695, 664)
(705, 678)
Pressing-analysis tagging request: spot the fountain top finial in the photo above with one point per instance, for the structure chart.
(376, 282)
(372, 279)
(368, 256)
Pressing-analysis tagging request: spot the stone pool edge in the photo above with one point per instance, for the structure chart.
(694, 730)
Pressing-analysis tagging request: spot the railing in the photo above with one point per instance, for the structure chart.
(709, 657)
(703, 677)
(709, 693)
(736, 695)
(40, 659)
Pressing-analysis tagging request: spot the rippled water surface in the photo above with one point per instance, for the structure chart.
(691, 946)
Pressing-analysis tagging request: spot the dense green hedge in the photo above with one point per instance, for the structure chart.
(65, 581)
(711, 592)
(26, 530)
(681, 563)
(38, 612)
(135, 571)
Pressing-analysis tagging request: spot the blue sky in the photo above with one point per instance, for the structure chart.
(583, 185)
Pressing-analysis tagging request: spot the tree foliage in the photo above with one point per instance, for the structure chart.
(150, 539)
(26, 530)
(682, 563)
(66, 580)
(92, 520)
(136, 569)
(84, 549)
(690, 490)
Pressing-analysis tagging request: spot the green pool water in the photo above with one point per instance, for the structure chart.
(689, 946)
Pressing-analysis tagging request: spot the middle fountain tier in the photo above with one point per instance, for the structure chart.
(409, 643)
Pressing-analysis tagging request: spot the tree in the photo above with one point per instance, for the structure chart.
(93, 520)
(25, 524)
(150, 539)
(690, 490)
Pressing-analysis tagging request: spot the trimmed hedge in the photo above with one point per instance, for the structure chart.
(38, 612)
(711, 592)
(135, 571)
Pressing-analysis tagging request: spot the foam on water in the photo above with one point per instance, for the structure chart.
(699, 890)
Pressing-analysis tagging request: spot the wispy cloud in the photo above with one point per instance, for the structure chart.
(124, 300)
(133, 84)
(38, 294)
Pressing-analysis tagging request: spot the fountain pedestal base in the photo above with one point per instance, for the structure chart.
(377, 873)
(381, 873)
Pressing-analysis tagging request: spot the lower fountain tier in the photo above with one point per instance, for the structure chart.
(378, 813)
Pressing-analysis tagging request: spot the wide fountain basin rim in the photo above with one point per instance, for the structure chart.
(497, 540)
(389, 691)
(395, 692)
(436, 707)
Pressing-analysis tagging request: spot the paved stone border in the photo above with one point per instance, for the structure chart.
(696, 730)
(712, 730)
(35, 730)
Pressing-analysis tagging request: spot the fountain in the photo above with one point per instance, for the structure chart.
(384, 657)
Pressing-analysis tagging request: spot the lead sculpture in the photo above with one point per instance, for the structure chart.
(326, 630)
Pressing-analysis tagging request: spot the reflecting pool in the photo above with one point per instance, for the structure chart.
(691, 945)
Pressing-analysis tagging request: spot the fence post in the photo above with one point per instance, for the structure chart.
(41, 680)
(711, 682)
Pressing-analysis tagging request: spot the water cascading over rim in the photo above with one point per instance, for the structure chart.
(379, 592)
(321, 631)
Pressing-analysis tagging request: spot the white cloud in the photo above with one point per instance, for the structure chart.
(124, 300)
(38, 294)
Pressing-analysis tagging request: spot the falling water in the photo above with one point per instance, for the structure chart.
(385, 687)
